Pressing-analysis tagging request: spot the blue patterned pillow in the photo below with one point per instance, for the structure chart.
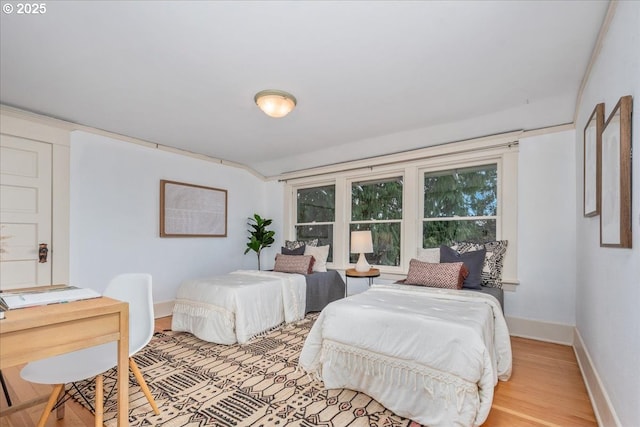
(494, 259)
(295, 244)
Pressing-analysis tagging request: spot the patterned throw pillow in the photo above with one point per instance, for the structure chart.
(320, 254)
(447, 275)
(494, 259)
(295, 244)
(301, 264)
(296, 251)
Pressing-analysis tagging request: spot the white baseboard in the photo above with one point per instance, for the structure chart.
(605, 414)
(163, 309)
(543, 331)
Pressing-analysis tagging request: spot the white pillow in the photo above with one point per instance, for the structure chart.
(320, 253)
(431, 255)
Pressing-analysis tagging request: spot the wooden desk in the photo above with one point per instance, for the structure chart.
(34, 333)
(352, 272)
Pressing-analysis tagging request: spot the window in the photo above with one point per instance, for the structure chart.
(460, 204)
(377, 206)
(418, 199)
(316, 214)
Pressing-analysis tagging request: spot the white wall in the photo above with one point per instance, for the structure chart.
(274, 209)
(546, 230)
(115, 215)
(608, 279)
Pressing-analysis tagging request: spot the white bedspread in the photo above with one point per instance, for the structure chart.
(236, 307)
(431, 355)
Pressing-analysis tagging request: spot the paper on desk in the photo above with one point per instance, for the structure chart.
(49, 296)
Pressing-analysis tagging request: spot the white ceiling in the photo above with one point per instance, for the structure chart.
(371, 77)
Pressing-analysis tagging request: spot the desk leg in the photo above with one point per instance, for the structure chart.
(123, 370)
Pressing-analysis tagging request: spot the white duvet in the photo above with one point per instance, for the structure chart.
(236, 307)
(431, 355)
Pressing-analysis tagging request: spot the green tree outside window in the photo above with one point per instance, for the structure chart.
(460, 205)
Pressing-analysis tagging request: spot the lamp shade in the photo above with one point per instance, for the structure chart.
(275, 103)
(361, 242)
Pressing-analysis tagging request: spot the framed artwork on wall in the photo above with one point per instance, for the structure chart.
(188, 210)
(592, 161)
(615, 207)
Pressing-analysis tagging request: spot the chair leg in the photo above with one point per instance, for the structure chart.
(60, 406)
(99, 400)
(143, 385)
(53, 398)
(5, 389)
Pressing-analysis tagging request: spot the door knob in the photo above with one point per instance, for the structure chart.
(42, 252)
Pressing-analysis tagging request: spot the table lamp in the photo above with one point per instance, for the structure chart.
(361, 243)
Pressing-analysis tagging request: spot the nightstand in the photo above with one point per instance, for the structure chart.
(351, 272)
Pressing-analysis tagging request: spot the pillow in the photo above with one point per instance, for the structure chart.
(294, 264)
(296, 251)
(493, 262)
(429, 255)
(445, 275)
(295, 244)
(320, 253)
(473, 260)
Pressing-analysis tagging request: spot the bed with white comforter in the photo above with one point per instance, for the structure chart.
(236, 307)
(431, 355)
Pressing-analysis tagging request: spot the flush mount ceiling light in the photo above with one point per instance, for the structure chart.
(275, 103)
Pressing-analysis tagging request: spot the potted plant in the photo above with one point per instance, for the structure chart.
(259, 236)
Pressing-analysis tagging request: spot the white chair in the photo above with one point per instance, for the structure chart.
(94, 361)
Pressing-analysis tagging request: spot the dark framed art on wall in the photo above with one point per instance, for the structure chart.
(615, 208)
(592, 161)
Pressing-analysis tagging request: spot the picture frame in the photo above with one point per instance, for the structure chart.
(189, 210)
(615, 208)
(592, 162)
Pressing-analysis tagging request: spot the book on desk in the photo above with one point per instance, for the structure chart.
(54, 295)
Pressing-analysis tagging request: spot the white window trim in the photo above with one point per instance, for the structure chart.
(397, 172)
(496, 160)
(502, 150)
(291, 212)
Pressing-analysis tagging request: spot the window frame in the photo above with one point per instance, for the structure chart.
(292, 234)
(497, 217)
(501, 150)
(349, 203)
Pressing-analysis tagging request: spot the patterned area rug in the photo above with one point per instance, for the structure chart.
(197, 383)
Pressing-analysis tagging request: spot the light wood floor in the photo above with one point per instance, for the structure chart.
(546, 389)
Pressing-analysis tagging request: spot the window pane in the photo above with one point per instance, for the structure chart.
(376, 200)
(461, 192)
(324, 234)
(317, 204)
(386, 243)
(436, 233)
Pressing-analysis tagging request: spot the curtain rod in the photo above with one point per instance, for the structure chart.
(394, 162)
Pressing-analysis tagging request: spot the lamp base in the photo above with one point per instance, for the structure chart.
(362, 266)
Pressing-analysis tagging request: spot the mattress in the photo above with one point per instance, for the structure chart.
(236, 307)
(431, 355)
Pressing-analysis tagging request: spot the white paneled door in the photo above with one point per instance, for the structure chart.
(25, 212)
